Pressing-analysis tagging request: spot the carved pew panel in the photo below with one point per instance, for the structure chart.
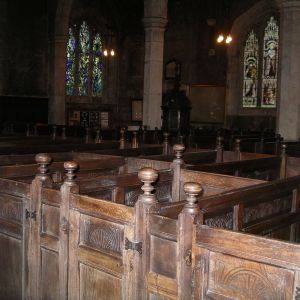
(99, 264)
(227, 267)
(13, 201)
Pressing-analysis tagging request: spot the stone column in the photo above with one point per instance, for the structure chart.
(57, 102)
(155, 20)
(288, 124)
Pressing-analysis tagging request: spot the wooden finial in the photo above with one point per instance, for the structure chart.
(238, 149)
(219, 149)
(87, 135)
(70, 167)
(166, 145)
(219, 142)
(148, 176)
(98, 136)
(283, 149)
(63, 133)
(178, 149)
(36, 130)
(193, 190)
(27, 130)
(54, 128)
(43, 160)
(122, 138)
(134, 140)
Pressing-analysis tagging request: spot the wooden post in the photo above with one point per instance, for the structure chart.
(35, 130)
(68, 187)
(63, 133)
(283, 162)
(184, 239)
(87, 135)
(142, 261)
(219, 149)
(237, 149)
(177, 165)
(98, 136)
(134, 140)
(33, 211)
(155, 136)
(122, 138)
(277, 144)
(166, 144)
(54, 129)
(27, 129)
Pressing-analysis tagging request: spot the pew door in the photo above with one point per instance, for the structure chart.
(13, 199)
(231, 265)
(99, 265)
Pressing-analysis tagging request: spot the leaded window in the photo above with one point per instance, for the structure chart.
(260, 75)
(84, 64)
(250, 71)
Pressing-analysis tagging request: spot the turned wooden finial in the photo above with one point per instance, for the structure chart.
(166, 145)
(70, 167)
(98, 136)
(63, 133)
(178, 149)
(27, 130)
(54, 129)
(134, 140)
(219, 142)
(148, 176)
(192, 190)
(283, 149)
(237, 145)
(87, 135)
(122, 138)
(35, 130)
(43, 160)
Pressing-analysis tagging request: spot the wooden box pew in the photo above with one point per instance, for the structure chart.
(90, 165)
(75, 246)
(269, 209)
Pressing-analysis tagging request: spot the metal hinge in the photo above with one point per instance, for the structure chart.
(297, 296)
(136, 246)
(30, 214)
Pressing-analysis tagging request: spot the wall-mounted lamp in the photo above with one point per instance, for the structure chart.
(224, 38)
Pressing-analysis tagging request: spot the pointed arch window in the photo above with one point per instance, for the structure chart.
(260, 75)
(250, 71)
(84, 64)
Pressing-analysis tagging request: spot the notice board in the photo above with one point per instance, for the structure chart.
(207, 103)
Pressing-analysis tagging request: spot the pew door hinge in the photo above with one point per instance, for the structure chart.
(136, 246)
(30, 214)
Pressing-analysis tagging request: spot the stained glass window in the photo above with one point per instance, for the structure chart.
(250, 71)
(84, 64)
(84, 55)
(70, 64)
(270, 64)
(97, 66)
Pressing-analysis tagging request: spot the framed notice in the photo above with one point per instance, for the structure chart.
(136, 110)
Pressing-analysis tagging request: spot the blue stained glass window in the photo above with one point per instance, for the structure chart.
(250, 71)
(84, 62)
(270, 64)
(97, 66)
(70, 64)
(84, 57)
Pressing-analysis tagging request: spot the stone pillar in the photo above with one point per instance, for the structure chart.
(57, 102)
(288, 124)
(155, 20)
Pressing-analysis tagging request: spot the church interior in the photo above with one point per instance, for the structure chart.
(149, 149)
